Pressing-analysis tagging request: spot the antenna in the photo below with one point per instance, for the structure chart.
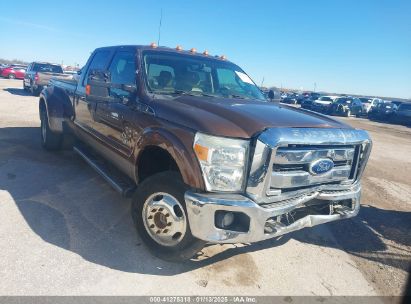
(262, 82)
(159, 27)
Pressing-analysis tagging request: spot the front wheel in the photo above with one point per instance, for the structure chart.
(160, 216)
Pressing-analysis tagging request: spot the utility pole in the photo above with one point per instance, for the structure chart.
(159, 27)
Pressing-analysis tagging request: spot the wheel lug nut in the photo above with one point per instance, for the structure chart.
(150, 217)
(158, 231)
(154, 210)
(165, 230)
(161, 209)
(167, 214)
(152, 226)
(169, 224)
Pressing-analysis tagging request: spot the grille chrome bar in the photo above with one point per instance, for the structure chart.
(294, 179)
(306, 155)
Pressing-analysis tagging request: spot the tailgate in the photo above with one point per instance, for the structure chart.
(44, 77)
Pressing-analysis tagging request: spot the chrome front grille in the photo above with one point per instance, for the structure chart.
(280, 167)
(291, 166)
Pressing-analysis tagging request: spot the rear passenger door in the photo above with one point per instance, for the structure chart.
(113, 116)
(84, 106)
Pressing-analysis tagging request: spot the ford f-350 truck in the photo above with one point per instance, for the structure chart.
(201, 151)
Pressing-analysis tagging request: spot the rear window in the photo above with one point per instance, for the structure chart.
(45, 67)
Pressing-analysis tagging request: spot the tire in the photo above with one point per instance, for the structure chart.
(49, 140)
(348, 113)
(11, 76)
(154, 198)
(33, 91)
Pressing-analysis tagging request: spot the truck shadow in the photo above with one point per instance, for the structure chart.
(67, 204)
(19, 92)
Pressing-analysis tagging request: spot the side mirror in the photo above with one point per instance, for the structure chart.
(131, 88)
(79, 72)
(271, 95)
(100, 76)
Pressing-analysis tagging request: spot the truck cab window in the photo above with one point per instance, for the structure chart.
(123, 68)
(123, 71)
(99, 62)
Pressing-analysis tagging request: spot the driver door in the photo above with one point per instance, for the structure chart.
(114, 115)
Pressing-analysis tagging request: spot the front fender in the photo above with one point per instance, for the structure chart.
(179, 146)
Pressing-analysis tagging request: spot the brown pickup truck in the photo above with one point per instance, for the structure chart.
(205, 156)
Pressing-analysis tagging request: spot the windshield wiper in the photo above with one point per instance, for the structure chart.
(192, 93)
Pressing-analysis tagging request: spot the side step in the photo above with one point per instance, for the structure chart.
(120, 182)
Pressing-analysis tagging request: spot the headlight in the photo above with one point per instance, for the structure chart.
(223, 162)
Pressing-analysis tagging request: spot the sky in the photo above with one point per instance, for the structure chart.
(350, 46)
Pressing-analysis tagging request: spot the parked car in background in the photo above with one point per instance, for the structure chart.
(402, 115)
(346, 106)
(322, 104)
(290, 98)
(363, 107)
(382, 111)
(38, 75)
(13, 72)
(307, 96)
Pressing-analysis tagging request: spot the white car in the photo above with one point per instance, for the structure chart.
(322, 104)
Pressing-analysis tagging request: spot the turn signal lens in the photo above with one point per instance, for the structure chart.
(201, 152)
(88, 89)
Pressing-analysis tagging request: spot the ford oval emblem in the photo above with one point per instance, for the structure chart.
(321, 166)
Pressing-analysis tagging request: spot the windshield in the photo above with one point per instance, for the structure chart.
(169, 73)
(342, 100)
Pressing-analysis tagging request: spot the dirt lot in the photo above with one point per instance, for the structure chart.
(64, 231)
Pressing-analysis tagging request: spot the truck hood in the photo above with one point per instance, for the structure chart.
(237, 118)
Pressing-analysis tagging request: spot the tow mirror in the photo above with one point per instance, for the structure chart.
(131, 88)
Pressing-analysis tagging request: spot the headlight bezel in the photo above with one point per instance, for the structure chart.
(209, 144)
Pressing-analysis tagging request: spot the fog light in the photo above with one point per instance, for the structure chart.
(224, 219)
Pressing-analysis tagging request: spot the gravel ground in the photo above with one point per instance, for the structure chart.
(64, 231)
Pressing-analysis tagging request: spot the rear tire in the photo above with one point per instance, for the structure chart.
(49, 140)
(33, 91)
(160, 217)
(11, 76)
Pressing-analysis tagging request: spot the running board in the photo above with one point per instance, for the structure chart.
(120, 182)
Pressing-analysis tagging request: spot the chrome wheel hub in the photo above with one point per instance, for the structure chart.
(164, 219)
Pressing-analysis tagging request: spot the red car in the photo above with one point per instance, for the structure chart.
(13, 72)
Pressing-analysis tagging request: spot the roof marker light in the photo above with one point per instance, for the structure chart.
(223, 57)
(205, 53)
(193, 50)
(179, 48)
(153, 45)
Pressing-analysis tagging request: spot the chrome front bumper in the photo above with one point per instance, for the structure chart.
(201, 209)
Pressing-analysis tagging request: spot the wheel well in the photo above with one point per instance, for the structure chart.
(154, 160)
